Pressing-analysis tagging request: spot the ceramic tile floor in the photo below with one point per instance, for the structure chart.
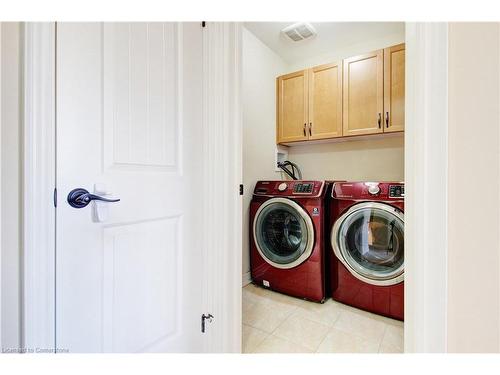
(276, 323)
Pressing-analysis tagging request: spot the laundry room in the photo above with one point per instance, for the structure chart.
(243, 188)
(323, 177)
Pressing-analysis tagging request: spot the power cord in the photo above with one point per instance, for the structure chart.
(291, 173)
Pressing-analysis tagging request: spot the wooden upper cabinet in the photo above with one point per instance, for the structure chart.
(359, 96)
(325, 101)
(363, 94)
(292, 107)
(394, 88)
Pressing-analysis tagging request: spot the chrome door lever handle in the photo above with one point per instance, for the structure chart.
(79, 198)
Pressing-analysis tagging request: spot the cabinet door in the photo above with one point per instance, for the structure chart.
(292, 107)
(363, 94)
(394, 88)
(325, 101)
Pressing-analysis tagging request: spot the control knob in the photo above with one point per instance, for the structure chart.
(282, 186)
(373, 189)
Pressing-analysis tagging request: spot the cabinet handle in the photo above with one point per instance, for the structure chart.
(387, 119)
(310, 128)
(379, 119)
(304, 130)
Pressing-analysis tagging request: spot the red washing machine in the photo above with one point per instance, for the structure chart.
(367, 246)
(287, 237)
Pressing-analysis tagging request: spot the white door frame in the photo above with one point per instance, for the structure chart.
(426, 176)
(38, 320)
(1, 320)
(425, 168)
(223, 175)
(219, 185)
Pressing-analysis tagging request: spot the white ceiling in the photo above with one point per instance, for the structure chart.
(331, 36)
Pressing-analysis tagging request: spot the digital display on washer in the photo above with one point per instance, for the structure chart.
(303, 188)
(396, 191)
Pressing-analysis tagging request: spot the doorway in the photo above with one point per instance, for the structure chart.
(316, 71)
(223, 173)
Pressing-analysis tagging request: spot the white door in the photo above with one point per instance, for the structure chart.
(128, 274)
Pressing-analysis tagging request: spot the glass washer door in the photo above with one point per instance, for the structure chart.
(283, 233)
(369, 240)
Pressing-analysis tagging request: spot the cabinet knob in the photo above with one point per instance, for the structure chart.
(304, 130)
(310, 128)
(379, 119)
(387, 119)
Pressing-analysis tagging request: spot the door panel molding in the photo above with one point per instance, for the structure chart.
(156, 282)
(132, 98)
(39, 180)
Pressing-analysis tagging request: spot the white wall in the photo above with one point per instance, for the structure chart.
(10, 197)
(261, 66)
(473, 188)
(375, 159)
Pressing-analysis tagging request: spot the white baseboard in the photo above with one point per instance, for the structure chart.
(246, 278)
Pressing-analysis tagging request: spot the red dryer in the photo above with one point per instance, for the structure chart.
(287, 237)
(366, 253)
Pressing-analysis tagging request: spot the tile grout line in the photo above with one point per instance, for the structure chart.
(382, 339)
(294, 308)
(324, 338)
(300, 312)
(260, 343)
(264, 303)
(284, 320)
(310, 321)
(329, 331)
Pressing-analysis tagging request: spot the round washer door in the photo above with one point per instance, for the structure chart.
(369, 240)
(283, 233)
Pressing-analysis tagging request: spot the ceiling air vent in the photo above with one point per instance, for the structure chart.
(299, 31)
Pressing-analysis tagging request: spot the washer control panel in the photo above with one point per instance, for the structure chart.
(371, 191)
(303, 188)
(396, 191)
(292, 188)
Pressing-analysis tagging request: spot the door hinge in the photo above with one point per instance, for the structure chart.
(203, 24)
(55, 197)
(204, 318)
(241, 189)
